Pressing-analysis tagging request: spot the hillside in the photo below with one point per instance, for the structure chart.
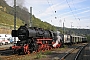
(7, 23)
(7, 17)
(74, 31)
(8, 20)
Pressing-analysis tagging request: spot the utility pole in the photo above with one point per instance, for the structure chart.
(63, 27)
(30, 16)
(71, 28)
(71, 25)
(63, 35)
(14, 14)
(14, 18)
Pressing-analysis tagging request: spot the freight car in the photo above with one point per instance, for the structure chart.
(74, 39)
(35, 39)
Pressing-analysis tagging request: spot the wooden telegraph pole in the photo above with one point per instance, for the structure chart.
(14, 18)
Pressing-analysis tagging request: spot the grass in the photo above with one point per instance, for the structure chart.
(8, 20)
(0, 59)
(47, 52)
(40, 55)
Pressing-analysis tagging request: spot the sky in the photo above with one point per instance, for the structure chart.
(73, 13)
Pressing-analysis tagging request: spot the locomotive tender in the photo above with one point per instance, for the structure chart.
(34, 39)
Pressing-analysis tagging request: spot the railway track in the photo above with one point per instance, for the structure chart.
(5, 50)
(73, 54)
(77, 56)
(70, 53)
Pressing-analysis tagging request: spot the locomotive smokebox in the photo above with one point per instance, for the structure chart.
(23, 33)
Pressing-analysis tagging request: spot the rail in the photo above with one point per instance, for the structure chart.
(78, 53)
(71, 53)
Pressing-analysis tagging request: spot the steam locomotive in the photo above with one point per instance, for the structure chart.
(35, 39)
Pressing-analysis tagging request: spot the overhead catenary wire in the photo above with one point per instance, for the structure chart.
(54, 11)
(70, 9)
(72, 12)
(76, 12)
(51, 7)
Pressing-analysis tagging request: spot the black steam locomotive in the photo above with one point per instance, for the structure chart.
(34, 39)
(24, 33)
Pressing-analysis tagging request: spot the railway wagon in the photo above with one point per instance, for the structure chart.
(67, 39)
(74, 39)
(84, 39)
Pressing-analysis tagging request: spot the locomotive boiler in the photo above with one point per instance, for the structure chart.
(24, 33)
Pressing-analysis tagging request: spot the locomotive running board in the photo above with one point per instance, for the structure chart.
(44, 39)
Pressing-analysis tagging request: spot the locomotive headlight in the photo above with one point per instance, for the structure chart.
(22, 34)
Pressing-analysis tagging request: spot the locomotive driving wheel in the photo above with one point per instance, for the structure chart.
(33, 46)
(26, 49)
